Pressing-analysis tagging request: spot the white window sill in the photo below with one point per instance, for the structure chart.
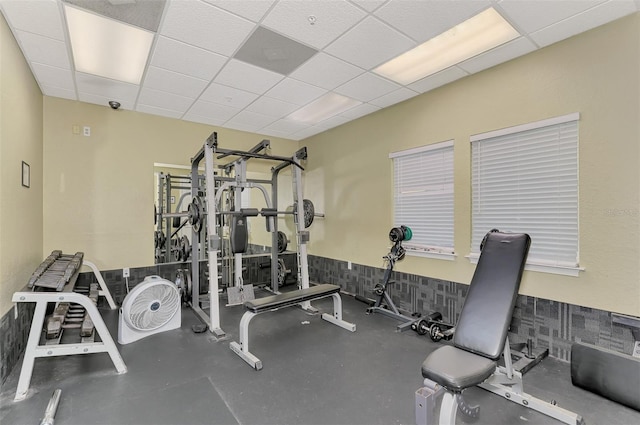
(543, 268)
(432, 254)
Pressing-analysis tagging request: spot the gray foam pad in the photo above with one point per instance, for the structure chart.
(610, 374)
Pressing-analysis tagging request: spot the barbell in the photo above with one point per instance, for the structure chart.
(196, 212)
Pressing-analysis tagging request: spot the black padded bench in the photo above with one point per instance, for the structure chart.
(283, 300)
(480, 339)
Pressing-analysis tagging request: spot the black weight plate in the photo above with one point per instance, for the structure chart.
(422, 327)
(309, 212)
(282, 241)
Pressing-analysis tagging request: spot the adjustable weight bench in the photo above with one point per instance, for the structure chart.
(480, 338)
(286, 299)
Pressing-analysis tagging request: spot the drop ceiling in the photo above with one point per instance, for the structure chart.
(206, 66)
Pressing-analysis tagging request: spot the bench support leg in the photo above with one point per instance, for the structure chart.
(336, 319)
(241, 348)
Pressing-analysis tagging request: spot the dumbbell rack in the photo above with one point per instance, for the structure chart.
(42, 295)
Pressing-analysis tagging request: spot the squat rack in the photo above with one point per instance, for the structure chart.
(212, 153)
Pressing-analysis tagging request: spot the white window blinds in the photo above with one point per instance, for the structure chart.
(525, 179)
(423, 197)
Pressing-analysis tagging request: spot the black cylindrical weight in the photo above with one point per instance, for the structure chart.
(176, 222)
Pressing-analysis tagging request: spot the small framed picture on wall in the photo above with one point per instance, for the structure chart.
(26, 174)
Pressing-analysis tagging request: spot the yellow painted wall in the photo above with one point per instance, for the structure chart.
(20, 140)
(99, 190)
(596, 74)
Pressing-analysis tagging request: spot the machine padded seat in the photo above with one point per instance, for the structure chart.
(287, 299)
(457, 369)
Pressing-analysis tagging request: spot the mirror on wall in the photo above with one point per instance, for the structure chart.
(173, 194)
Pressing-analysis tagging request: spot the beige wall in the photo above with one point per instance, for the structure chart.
(20, 140)
(99, 190)
(596, 74)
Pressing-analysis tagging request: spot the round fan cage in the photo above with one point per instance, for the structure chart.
(151, 305)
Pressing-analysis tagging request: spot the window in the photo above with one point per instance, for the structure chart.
(525, 179)
(423, 198)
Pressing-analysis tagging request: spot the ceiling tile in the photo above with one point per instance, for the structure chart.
(251, 9)
(272, 107)
(294, 91)
(58, 92)
(164, 100)
(45, 50)
(532, 15)
(270, 50)
(141, 14)
(325, 71)
(369, 44)
(360, 111)
(369, 5)
(332, 18)
(206, 26)
(439, 79)
(39, 17)
(367, 87)
(187, 59)
(247, 77)
(172, 82)
(202, 119)
(281, 134)
(250, 120)
(52, 76)
(228, 96)
(158, 111)
(592, 18)
(333, 122)
(286, 126)
(516, 48)
(394, 97)
(216, 111)
(307, 132)
(124, 93)
(104, 100)
(423, 20)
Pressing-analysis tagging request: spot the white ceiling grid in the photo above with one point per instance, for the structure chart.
(192, 74)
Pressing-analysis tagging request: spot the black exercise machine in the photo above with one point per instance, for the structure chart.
(481, 338)
(396, 235)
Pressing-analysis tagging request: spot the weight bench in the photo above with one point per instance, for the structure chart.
(480, 338)
(283, 300)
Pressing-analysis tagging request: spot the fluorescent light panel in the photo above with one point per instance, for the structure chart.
(476, 35)
(107, 48)
(322, 108)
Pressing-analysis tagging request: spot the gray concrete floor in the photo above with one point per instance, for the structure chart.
(314, 373)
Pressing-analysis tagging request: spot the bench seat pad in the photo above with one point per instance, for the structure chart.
(287, 299)
(457, 369)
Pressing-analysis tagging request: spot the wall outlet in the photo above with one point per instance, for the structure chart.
(125, 272)
(349, 265)
(86, 130)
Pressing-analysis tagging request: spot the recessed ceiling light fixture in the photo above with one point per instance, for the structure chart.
(322, 108)
(476, 35)
(106, 47)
